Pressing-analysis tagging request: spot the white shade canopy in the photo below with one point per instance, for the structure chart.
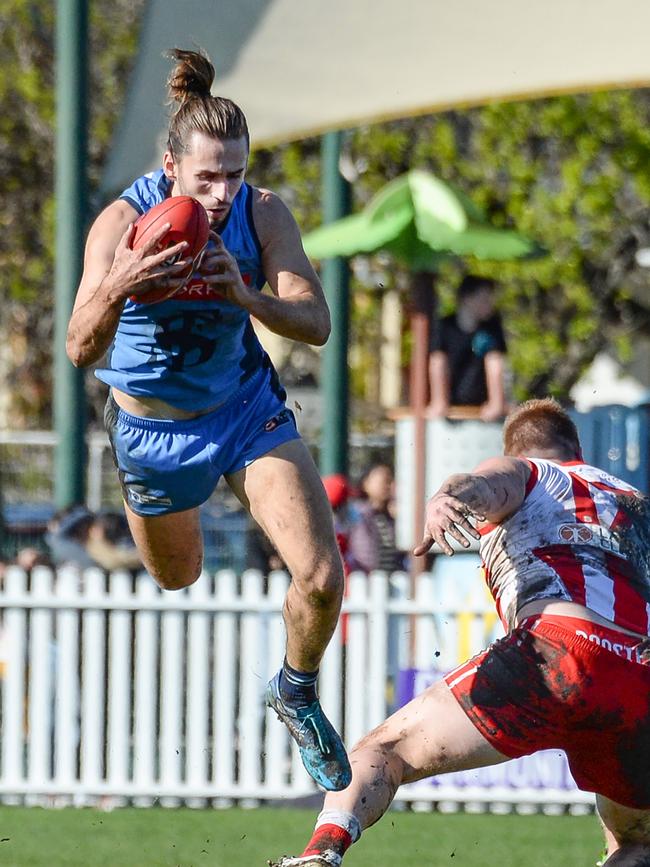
(301, 67)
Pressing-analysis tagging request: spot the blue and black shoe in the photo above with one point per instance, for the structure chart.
(321, 749)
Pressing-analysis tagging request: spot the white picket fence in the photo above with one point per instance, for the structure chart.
(114, 691)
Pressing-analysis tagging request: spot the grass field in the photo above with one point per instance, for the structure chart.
(246, 838)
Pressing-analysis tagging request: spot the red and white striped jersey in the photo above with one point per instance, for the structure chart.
(581, 535)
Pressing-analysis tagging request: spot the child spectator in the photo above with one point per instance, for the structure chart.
(372, 535)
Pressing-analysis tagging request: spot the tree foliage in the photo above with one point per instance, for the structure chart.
(27, 165)
(571, 172)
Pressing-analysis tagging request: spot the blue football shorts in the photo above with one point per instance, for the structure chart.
(167, 466)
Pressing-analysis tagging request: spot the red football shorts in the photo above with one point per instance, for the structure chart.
(559, 682)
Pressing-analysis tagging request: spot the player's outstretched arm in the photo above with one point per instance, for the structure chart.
(494, 491)
(297, 309)
(112, 272)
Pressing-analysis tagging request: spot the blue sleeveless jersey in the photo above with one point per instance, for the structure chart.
(196, 349)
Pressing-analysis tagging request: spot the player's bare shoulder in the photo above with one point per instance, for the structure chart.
(271, 216)
(288, 270)
(108, 227)
(117, 215)
(518, 468)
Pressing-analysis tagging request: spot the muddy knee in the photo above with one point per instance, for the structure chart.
(383, 749)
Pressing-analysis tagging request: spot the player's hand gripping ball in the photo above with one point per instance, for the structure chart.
(189, 222)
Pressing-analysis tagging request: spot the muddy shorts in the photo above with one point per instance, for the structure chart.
(563, 683)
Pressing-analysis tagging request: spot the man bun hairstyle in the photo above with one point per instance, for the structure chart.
(192, 76)
(189, 85)
(540, 425)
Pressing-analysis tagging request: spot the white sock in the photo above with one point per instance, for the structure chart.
(345, 820)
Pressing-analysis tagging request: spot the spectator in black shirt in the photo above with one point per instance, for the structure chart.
(467, 354)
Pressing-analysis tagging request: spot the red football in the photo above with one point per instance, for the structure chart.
(189, 222)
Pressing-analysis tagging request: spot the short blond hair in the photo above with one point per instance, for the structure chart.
(541, 424)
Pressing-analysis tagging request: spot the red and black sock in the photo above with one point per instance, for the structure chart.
(329, 837)
(336, 831)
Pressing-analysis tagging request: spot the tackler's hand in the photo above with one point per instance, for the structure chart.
(219, 269)
(447, 515)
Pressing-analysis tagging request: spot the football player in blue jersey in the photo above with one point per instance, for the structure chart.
(193, 396)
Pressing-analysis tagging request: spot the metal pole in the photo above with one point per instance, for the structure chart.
(69, 402)
(421, 312)
(335, 277)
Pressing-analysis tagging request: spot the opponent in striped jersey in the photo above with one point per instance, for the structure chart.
(567, 554)
(575, 538)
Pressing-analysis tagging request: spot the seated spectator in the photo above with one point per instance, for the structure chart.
(371, 543)
(110, 544)
(67, 533)
(76, 536)
(467, 354)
